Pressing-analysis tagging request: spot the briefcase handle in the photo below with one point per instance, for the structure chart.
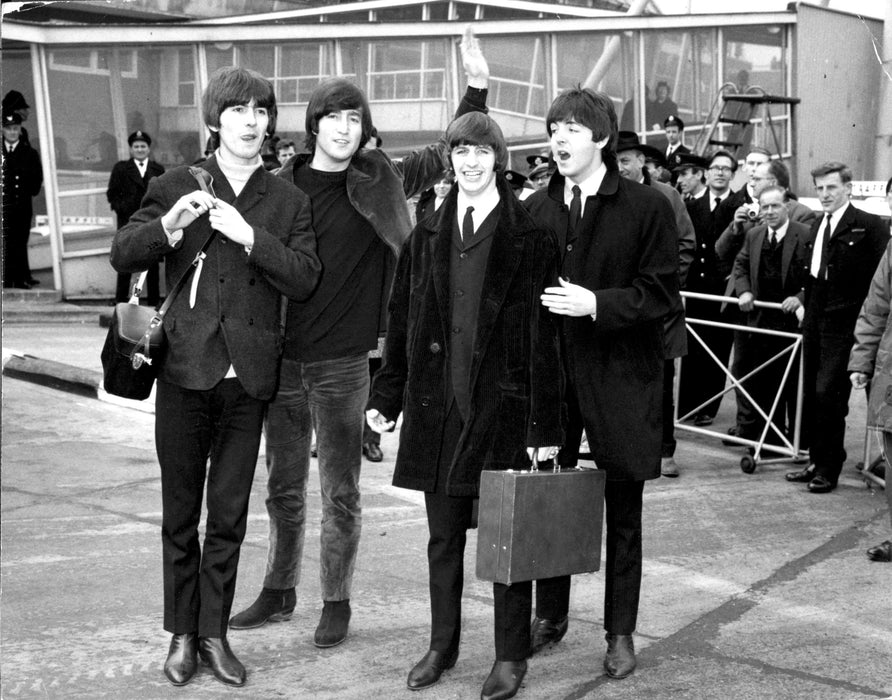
(555, 466)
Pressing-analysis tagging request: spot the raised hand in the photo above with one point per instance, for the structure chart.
(473, 61)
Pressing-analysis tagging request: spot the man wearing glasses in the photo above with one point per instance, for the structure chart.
(701, 377)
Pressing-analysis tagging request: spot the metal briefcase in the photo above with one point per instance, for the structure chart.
(539, 524)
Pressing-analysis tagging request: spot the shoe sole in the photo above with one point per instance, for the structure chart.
(277, 617)
(319, 645)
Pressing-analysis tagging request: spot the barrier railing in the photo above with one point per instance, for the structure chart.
(789, 449)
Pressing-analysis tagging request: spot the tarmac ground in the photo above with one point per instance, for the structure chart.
(753, 588)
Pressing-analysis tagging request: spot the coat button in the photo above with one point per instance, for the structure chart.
(425, 401)
(569, 246)
(222, 319)
(435, 348)
(456, 329)
(252, 281)
(222, 280)
(459, 293)
(462, 255)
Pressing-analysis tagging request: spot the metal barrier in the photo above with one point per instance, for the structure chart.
(789, 449)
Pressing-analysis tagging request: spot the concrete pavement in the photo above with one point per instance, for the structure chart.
(753, 588)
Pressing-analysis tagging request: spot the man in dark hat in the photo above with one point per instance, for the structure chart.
(631, 156)
(519, 184)
(673, 127)
(22, 179)
(689, 171)
(14, 102)
(126, 187)
(541, 168)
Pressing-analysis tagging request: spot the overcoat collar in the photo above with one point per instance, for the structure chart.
(504, 259)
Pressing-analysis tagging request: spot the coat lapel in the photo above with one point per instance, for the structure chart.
(756, 259)
(440, 242)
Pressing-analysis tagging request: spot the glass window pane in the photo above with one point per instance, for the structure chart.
(439, 11)
(259, 58)
(517, 75)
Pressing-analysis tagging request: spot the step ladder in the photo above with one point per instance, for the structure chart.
(733, 117)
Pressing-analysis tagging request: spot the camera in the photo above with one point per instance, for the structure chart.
(752, 210)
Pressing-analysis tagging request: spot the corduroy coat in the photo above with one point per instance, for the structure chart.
(626, 256)
(236, 317)
(872, 352)
(515, 376)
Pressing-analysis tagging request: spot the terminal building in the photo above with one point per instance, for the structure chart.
(95, 72)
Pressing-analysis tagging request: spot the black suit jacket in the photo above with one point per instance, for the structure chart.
(235, 319)
(126, 187)
(795, 256)
(853, 253)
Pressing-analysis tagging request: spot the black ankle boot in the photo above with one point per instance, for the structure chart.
(271, 606)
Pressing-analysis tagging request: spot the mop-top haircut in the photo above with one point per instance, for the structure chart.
(230, 86)
(590, 108)
(478, 129)
(336, 95)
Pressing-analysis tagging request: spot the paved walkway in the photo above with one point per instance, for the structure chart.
(753, 588)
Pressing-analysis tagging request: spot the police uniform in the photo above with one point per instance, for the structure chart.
(22, 179)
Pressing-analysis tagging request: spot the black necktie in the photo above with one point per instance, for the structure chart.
(575, 210)
(718, 200)
(772, 238)
(467, 225)
(825, 244)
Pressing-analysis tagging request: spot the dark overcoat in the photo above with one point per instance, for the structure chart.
(236, 316)
(515, 376)
(615, 363)
(126, 187)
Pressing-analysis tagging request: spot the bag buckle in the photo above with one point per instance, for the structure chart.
(138, 360)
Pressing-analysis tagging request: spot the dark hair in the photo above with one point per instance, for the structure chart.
(478, 129)
(724, 154)
(373, 134)
(594, 110)
(283, 144)
(230, 86)
(335, 95)
(833, 166)
(775, 188)
(779, 172)
(664, 84)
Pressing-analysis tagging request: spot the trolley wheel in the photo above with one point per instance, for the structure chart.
(747, 464)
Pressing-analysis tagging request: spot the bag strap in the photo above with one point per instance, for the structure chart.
(137, 288)
(205, 182)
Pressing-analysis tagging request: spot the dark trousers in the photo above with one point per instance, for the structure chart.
(204, 438)
(826, 394)
(448, 521)
(622, 567)
(669, 441)
(701, 376)
(16, 232)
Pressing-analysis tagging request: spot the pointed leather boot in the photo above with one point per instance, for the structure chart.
(620, 660)
(504, 680)
(182, 659)
(215, 652)
(427, 672)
